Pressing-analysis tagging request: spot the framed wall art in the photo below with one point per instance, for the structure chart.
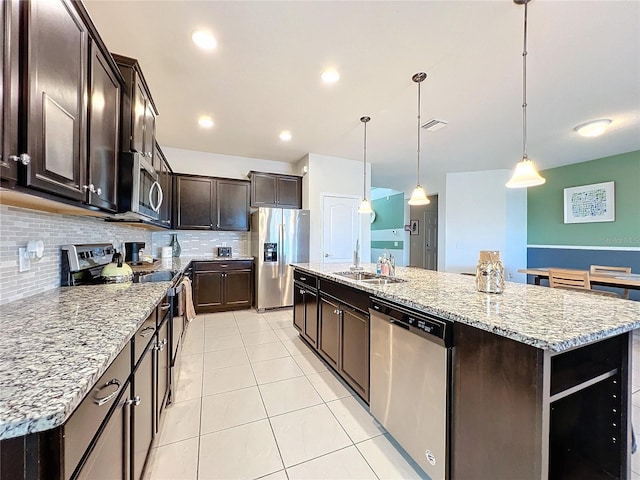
(590, 203)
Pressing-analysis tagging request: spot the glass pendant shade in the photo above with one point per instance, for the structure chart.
(365, 207)
(418, 197)
(525, 175)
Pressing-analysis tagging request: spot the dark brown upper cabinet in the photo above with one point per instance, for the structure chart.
(274, 190)
(104, 131)
(61, 96)
(57, 45)
(9, 153)
(208, 203)
(165, 176)
(138, 110)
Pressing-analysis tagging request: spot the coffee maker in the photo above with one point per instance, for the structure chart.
(132, 252)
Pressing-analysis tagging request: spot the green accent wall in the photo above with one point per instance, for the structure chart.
(388, 244)
(389, 212)
(545, 204)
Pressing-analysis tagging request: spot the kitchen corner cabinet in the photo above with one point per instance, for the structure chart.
(273, 190)
(305, 312)
(209, 203)
(138, 109)
(60, 104)
(221, 286)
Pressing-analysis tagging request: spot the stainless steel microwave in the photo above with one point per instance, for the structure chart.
(140, 195)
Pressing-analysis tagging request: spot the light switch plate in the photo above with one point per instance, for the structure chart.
(24, 264)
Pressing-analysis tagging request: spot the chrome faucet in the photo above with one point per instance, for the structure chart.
(356, 257)
(392, 265)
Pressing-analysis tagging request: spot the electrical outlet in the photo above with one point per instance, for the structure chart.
(224, 244)
(24, 263)
(395, 244)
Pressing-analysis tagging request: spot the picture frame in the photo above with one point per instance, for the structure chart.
(414, 228)
(590, 203)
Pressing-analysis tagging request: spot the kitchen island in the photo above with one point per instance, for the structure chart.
(539, 378)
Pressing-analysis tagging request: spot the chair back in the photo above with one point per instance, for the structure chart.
(559, 277)
(601, 293)
(613, 270)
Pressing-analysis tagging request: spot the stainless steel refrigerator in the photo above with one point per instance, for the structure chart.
(279, 237)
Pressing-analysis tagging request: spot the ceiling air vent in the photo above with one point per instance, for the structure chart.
(434, 124)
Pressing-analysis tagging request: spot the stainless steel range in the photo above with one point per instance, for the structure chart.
(82, 264)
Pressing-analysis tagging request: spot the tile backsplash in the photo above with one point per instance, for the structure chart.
(19, 225)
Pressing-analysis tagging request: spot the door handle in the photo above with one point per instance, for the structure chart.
(327, 254)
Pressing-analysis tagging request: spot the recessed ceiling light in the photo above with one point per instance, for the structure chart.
(594, 128)
(330, 76)
(285, 135)
(204, 39)
(205, 121)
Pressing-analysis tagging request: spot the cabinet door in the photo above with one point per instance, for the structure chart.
(311, 317)
(299, 307)
(9, 93)
(329, 331)
(238, 288)
(56, 65)
(109, 459)
(104, 122)
(354, 358)
(233, 205)
(165, 180)
(163, 350)
(149, 136)
(193, 200)
(208, 290)
(139, 108)
(143, 413)
(289, 192)
(263, 190)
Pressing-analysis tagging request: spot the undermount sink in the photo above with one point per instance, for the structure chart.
(369, 278)
(159, 276)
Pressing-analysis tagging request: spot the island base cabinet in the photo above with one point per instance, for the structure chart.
(355, 356)
(305, 312)
(329, 331)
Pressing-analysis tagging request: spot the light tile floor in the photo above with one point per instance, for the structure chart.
(253, 401)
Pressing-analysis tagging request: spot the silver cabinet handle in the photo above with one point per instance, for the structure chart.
(23, 158)
(161, 345)
(98, 191)
(135, 401)
(303, 279)
(165, 306)
(102, 400)
(302, 292)
(149, 331)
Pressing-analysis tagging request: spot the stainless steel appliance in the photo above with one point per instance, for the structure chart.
(140, 195)
(410, 382)
(279, 237)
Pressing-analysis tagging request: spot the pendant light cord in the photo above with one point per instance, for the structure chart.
(418, 176)
(524, 86)
(364, 177)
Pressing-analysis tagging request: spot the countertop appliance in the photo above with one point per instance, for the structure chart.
(140, 195)
(279, 237)
(410, 361)
(132, 251)
(224, 252)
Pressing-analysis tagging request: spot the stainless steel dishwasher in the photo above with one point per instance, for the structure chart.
(410, 382)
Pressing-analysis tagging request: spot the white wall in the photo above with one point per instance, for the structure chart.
(332, 175)
(218, 165)
(482, 214)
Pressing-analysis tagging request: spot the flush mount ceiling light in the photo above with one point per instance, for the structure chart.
(204, 39)
(330, 76)
(418, 197)
(593, 128)
(525, 174)
(365, 206)
(205, 121)
(285, 135)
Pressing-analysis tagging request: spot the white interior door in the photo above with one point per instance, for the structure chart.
(340, 228)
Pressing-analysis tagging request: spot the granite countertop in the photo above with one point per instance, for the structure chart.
(549, 319)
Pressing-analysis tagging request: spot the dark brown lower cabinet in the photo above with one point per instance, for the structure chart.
(221, 286)
(109, 459)
(143, 411)
(305, 312)
(343, 341)
(162, 362)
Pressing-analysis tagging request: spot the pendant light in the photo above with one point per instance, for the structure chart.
(365, 206)
(418, 197)
(525, 174)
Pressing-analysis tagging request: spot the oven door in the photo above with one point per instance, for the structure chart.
(147, 193)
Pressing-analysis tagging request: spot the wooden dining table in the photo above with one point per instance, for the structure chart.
(613, 279)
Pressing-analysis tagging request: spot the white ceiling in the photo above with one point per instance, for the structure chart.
(264, 77)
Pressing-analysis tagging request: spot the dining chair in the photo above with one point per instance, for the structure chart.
(560, 277)
(613, 270)
(601, 293)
